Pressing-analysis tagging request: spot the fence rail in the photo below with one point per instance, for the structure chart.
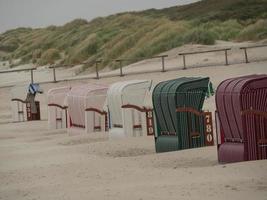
(20, 70)
(206, 51)
(120, 61)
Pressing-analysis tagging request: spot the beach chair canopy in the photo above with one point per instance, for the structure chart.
(57, 113)
(57, 96)
(125, 93)
(84, 97)
(185, 95)
(19, 92)
(18, 96)
(241, 106)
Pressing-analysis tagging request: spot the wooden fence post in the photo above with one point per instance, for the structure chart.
(54, 73)
(246, 55)
(96, 69)
(226, 58)
(184, 62)
(121, 74)
(32, 76)
(163, 63)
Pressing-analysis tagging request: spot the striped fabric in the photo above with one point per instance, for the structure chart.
(34, 88)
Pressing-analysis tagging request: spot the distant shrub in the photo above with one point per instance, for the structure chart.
(256, 31)
(4, 58)
(34, 61)
(49, 57)
(200, 35)
(26, 59)
(92, 48)
(52, 28)
(37, 54)
(9, 46)
(227, 30)
(75, 24)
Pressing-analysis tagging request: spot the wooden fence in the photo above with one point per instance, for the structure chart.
(20, 70)
(250, 47)
(202, 52)
(162, 57)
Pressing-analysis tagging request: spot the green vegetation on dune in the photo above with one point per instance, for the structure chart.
(49, 56)
(256, 31)
(137, 35)
(208, 10)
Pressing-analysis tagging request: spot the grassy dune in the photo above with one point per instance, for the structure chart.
(136, 35)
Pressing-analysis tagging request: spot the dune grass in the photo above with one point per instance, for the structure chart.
(49, 57)
(137, 35)
(256, 31)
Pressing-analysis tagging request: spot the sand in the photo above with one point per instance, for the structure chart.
(37, 163)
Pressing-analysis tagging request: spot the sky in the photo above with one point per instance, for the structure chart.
(42, 13)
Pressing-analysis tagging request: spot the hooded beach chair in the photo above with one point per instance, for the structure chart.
(85, 108)
(181, 123)
(127, 112)
(242, 119)
(57, 109)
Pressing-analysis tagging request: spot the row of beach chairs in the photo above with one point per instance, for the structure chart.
(171, 112)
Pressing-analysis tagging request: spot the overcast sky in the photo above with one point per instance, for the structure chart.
(41, 13)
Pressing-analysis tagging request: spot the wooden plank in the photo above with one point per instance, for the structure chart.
(255, 46)
(162, 56)
(207, 51)
(17, 70)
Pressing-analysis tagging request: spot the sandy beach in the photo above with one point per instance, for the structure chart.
(37, 163)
